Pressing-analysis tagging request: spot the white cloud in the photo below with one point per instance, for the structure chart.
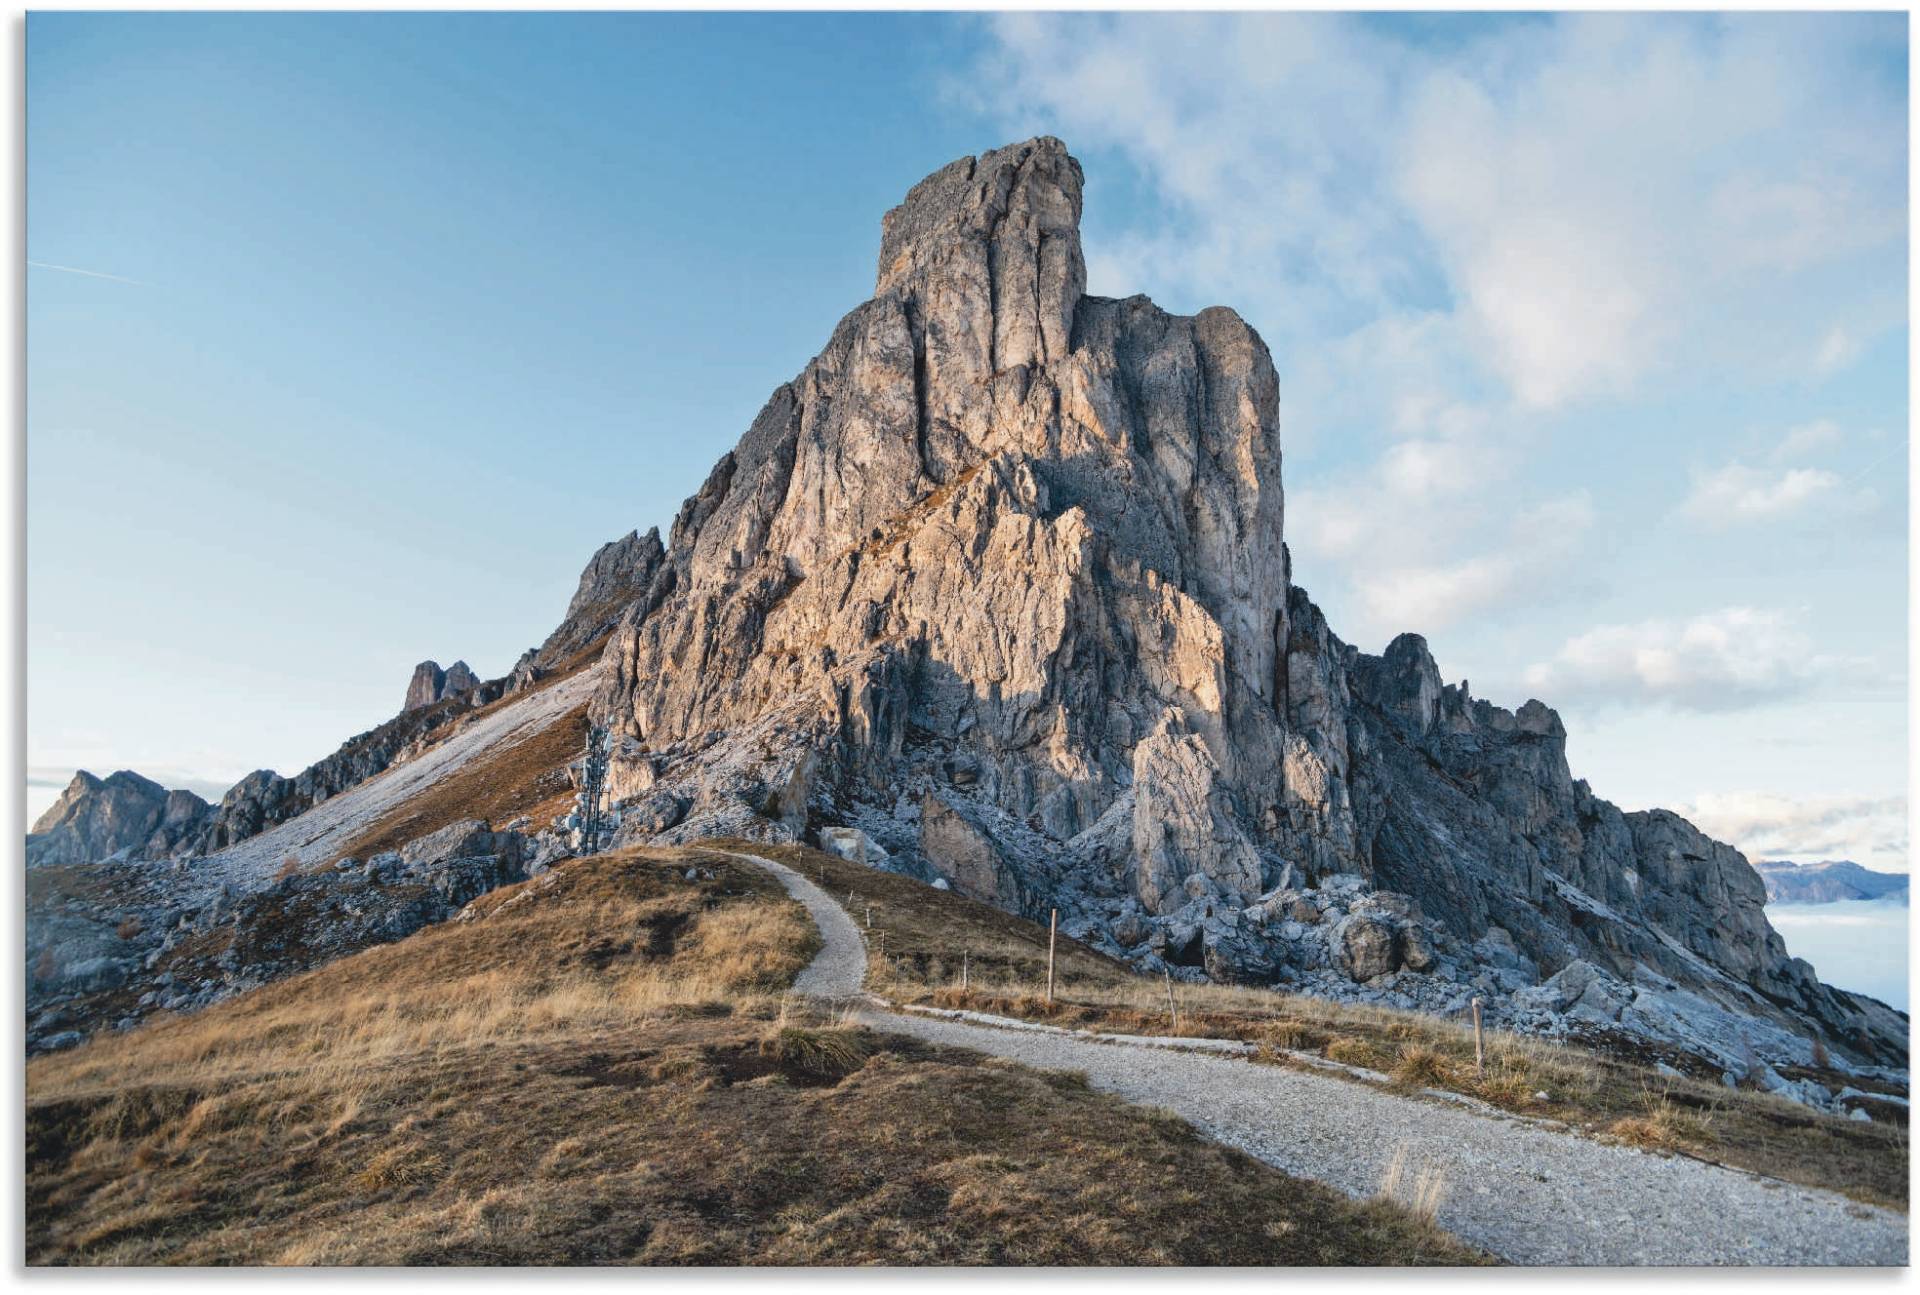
(1806, 437)
(1838, 349)
(1738, 493)
(1741, 492)
(1595, 200)
(1413, 557)
(1720, 660)
(1766, 825)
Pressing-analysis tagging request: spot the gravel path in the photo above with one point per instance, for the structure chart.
(1525, 1193)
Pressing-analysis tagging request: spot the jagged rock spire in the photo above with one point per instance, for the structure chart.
(992, 240)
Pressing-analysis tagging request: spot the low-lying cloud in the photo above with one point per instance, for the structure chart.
(1871, 831)
(1720, 660)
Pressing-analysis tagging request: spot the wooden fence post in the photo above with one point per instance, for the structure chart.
(963, 971)
(1053, 931)
(1479, 1043)
(869, 917)
(1173, 1013)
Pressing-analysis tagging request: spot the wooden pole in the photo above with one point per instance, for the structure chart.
(963, 971)
(1173, 1013)
(1053, 931)
(1479, 1042)
(869, 917)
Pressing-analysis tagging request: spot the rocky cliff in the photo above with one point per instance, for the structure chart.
(431, 684)
(999, 581)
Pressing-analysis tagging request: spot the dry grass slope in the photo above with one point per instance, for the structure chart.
(928, 933)
(602, 1066)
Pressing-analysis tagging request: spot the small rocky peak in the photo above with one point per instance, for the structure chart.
(1005, 227)
(619, 571)
(135, 785)
(426, 685)
(1540, 719)
(82, 785)
(253, 787)
(1404, 680)
(431, 684)
(460, 679)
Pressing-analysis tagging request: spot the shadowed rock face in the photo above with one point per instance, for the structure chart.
(999, 579)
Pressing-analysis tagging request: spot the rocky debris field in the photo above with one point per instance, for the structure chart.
(113, 944)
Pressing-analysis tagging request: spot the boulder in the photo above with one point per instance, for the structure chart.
(1365, 947)
(852, 844)
(1416, 949)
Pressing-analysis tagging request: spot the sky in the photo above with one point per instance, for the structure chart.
(350, 337)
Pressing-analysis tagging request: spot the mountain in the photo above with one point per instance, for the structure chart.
(1000, 581)
(995, 593)
(1828, 882)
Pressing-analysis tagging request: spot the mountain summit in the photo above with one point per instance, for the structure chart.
(1000, 582)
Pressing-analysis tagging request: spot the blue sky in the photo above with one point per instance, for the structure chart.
(1591, 332)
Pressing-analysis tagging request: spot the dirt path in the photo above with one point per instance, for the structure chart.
(1524, 1193)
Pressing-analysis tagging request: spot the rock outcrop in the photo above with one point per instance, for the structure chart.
(123, 814)
(431, 684)
(114, 943)
(132, 817)
(623, 574)
(999, 581)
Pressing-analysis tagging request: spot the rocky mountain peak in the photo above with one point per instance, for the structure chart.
(123, 813)
(431, 684)
(1006, 223)
(998, 582)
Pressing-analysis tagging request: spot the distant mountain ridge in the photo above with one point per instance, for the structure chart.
(1828, 882)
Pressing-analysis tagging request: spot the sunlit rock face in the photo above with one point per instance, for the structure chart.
(1000, 580)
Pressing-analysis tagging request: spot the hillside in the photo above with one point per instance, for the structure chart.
(601, 1066)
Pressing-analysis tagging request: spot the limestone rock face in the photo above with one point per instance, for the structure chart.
(460, 680)
(999, 581)
(997, 534)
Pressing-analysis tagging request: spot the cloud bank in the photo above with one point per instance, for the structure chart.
(1719, 660)
(1871, 831)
